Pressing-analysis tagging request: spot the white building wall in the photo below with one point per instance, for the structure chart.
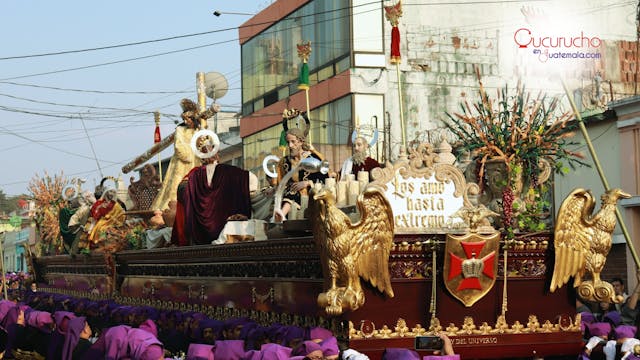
(440, 44)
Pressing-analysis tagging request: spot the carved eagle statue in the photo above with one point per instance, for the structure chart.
(349, 250)
(582, 242)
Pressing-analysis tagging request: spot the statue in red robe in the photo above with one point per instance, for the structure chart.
(208, 203)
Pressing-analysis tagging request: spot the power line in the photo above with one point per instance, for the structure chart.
(95, 91)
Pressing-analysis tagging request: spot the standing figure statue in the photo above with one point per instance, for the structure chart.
(183, 159)
(213, 193)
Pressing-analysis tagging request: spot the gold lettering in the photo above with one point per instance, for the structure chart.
(425, 204)
(415, 220)
(430, 188)
(482, 340)
(459, 341)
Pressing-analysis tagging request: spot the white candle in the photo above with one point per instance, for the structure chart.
(293, 212)
(329, 182)
(354, 191)
(350, 177)
(363, 176)
(363, 179)
(341, 194)
(304, 203)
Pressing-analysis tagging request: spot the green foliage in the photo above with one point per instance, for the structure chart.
(135, 238)
(517, 128)
(8, 204)
(536, 210)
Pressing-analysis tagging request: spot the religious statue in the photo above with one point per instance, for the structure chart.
(360, 160)
(299, 149)
(183, 159)
(213, 192)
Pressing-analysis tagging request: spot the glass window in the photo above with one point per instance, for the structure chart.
(270, 60)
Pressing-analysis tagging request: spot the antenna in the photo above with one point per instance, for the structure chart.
(215, 85)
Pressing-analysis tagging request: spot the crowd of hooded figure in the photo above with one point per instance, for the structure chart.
(610, 330)
(54, 326)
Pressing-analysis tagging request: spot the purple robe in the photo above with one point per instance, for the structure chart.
(143, 345)
(200, 352)
(207, 207)
(115, 342)
(41, 320)
(62, 318)
(76, 326)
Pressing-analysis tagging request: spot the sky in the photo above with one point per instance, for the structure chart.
(89, 111)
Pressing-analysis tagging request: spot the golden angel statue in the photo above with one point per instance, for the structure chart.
(582, 242)
(349, 250)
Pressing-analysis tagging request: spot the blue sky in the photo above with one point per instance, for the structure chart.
(43, 129)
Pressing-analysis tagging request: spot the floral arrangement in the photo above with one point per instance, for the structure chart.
(518, 129)
(46, 192)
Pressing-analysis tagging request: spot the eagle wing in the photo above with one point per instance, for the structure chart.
(374, 238)
(572, 237)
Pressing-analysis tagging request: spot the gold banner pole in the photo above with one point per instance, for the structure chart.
(393, 13)
(603, 178)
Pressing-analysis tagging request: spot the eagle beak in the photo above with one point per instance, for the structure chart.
(623, 195)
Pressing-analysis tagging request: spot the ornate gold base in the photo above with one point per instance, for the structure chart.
(401, 330)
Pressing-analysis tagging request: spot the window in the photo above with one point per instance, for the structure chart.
(270, 60)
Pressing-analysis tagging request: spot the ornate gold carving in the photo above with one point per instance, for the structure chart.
(434, 325)
(532, 324)
(582, 242)
(401, 329)
(477, 218)
(349, 250)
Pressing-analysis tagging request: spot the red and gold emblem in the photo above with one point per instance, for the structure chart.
(471, 266)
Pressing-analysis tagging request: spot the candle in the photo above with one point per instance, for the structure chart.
(350, 177)
(293, 213)
(304, 203)
(341, 194)
(354, 191)
(329, 182)
(363, 179)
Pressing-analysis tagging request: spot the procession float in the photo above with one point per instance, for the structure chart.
(461, 241)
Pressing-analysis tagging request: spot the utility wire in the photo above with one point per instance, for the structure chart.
(96, 91)
(93, 151)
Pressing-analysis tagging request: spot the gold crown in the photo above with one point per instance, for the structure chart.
(472, 268)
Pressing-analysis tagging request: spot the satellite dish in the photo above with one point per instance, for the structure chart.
(215, 85)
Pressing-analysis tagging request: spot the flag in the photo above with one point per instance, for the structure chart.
(304, 51)
(303, 79)
(393, 13)
(156, 135)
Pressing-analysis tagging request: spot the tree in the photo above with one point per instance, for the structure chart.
(8, 204)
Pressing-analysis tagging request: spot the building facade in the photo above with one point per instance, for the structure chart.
(353, 83)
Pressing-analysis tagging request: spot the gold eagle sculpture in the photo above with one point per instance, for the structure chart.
(349, 250)
(582, 242)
